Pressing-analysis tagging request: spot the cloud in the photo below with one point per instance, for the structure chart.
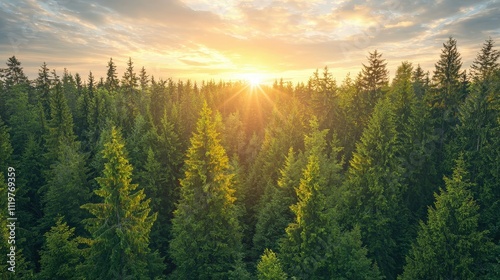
(219, 37)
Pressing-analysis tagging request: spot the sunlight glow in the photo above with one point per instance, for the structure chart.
(254, 79)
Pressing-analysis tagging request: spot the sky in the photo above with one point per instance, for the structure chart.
(229, 40)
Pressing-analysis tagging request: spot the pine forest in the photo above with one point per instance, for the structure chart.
(131, 176)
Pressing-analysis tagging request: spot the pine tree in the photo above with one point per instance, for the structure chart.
(130, 101)
(374, 77)
(161, 175)
(14, 82)
(420, 81)
(122, 222)
(67, 188)
(269, 267)
(143, 79)
(79, 84)
(416, 140)
(69, 90)
(449, 245)
(60, 128)
(282, 133)
(476, 137)
(129, 80)
(206, 240)
(111, 77)
(13, 74)
(448, 92)
(43, 85)
(324, 98)
(85, 103)
(374, 190)
(486, 62)
(312, 248)
(274, 213)
(60, 255)
(306, 244)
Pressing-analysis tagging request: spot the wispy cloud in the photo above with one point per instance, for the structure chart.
(206, 39)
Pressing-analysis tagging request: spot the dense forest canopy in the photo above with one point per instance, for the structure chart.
(133, 177)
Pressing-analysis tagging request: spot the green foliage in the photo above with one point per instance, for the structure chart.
(416, 141)
(61, 255)
(122, 222)
(316, 247)
(67, 188)
(374, 191)
(283, 132)
(486, 62)
(43, 85)
(5, 147)
(112, 82)
(206, 241)
(447, 94)
(393, 144)
(60, 126)
(449, 245)
(269, 267)
(374, 75)
(274, 212)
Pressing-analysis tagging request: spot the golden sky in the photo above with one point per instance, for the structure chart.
(210, 39)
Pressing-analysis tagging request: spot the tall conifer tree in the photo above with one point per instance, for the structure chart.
(206, 240)
(450, 245)
(122, 222)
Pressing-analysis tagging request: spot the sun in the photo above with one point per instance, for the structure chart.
(254, 79)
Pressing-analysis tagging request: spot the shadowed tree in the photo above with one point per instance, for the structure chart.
(450, 245)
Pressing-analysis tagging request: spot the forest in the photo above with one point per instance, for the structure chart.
(133, 177)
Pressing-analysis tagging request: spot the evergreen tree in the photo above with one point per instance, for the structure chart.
(14, 82)
(447, 93)
(206, 240)
(129, 102)
(374, 190)
(70, 90)
(129, 80)
(122, 222)
(234, 135)
(476, 137)
(67, 188)
(60, 127)
(43, 85)
(161, 175)
(285, 130)
(324, 98)
(111, 77)
(314, 241)
(269, 267)
(85, 105)
(79, 84)
(486, 62)
(416, 140)
(274, 213)
(61, 255)
(143, 79)
(374, 77)
(420, 81)
(449, 245)
(13, 74)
